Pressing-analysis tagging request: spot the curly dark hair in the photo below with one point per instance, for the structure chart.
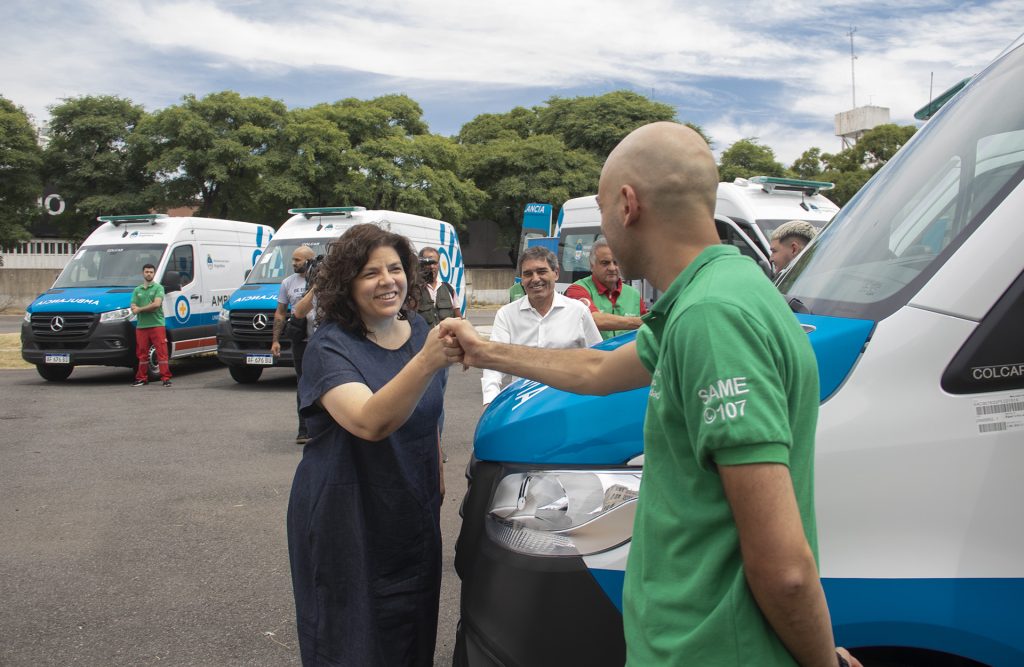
(345, 258)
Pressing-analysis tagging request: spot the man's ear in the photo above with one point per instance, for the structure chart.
(795, 247)
(630, 206)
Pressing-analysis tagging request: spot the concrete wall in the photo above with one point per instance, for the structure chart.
(18, 287)
(489, 287)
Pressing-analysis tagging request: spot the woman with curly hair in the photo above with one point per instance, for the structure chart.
(364, 535)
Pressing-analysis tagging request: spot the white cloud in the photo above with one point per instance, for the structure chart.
(154, 51)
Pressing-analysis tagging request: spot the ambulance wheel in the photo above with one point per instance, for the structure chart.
(56, 372)
(245, 374)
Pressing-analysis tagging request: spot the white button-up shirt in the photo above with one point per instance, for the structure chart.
(567, 324)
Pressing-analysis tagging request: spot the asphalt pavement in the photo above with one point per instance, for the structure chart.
(147, 525)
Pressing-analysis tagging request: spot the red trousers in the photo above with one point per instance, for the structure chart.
(156, 337)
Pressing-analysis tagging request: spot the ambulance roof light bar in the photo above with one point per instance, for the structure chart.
(118, 220)
(345, 211)
(770, 183)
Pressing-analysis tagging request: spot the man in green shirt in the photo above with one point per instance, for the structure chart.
(615, 306)
(723, 568)
(147, 305)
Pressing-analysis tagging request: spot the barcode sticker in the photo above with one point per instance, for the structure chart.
(1000, 414)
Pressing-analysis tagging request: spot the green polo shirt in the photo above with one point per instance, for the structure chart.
(734, 381)
(143, 296)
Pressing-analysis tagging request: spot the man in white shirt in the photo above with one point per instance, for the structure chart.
(542, 318)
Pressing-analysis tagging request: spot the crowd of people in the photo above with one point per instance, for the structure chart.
(723, 563)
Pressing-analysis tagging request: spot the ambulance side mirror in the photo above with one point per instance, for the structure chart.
(171, 281)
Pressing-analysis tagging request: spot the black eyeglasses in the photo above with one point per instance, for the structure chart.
(428, 261)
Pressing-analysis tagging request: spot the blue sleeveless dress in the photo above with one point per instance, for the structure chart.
(364, 535)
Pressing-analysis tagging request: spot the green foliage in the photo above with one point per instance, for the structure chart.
(597, 123)
(516, 124)
(21, 166)
(514, 172)
(89, 162)
(417, 174)
(211, 152)
(747, 158)
(851, 167)
(809, 165)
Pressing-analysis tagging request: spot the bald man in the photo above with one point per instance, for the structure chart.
(722, 568)
(290, 298)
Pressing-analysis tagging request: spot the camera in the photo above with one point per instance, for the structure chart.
(427, 265)
(312, 266)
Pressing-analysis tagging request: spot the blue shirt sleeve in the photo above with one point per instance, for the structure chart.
(328, 362)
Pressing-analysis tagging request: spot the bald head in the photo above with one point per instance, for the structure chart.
(657, 198)
(671, 168)
(302, 255)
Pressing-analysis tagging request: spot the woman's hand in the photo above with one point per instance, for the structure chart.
(433, 351)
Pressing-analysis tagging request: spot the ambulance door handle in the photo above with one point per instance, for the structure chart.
(196, 296)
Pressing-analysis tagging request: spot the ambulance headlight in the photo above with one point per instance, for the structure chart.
(28, 317)
(224, 315)
(119, 315)
(564, 512)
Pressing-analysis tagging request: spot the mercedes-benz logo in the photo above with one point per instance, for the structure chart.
(57, 323)
(259, 322)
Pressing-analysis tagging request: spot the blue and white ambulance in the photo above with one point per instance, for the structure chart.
(84, 319)
(246, 321)
(913, 299)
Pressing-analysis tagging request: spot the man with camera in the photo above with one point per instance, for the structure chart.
(436, 299)
(288, 322)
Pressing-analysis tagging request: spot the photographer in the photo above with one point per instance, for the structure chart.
(293, 326)
(436, 299)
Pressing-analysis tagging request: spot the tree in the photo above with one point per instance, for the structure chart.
(514, 172)
(747, 158)
(89, 162)
(417, 174)
(597, 123)
(311, 164)
(880, 143)
(851, 167)
(210, 152)
(20, 173)
(809, 165)
(516, 124)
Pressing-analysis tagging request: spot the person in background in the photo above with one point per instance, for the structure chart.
(148, 307)
(364, 533)
(436, 299)
(293, 289)
(723, 561)
(543, 319)
(788, 240)
(616, 307)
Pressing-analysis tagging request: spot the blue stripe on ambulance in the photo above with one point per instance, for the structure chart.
(83, 300)
(976, 617)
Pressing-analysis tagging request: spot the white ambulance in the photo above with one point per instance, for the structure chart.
(579, 225)
(246, 322)
(84, 319)
(762, 203)
(913, 300)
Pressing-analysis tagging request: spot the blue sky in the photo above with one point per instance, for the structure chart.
(778, 70)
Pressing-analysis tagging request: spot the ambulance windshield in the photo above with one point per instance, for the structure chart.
(110, 265)
(913, 215)
(275, 264)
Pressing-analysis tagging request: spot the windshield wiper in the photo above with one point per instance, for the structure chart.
(797, 306)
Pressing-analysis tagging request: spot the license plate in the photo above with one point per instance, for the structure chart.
(259, 359)
(58, 359)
